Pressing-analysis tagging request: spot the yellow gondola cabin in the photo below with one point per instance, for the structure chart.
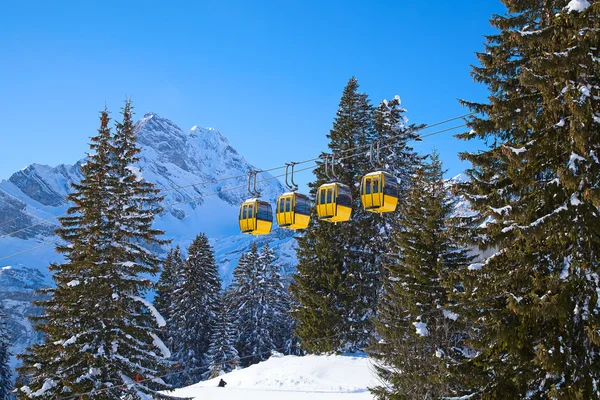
(334, 202)
(293, 211)
(379, 192)
(256, 217)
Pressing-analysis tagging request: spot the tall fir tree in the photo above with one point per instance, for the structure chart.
(252, 317)
(6, 385)
(100, 334)
(400, 160)
(535, 301)
(195, 307)
(222, 356)
(168, 281)
(420, 337)
(134, 203)
(394, 133)
(338, 275)
(277, 302)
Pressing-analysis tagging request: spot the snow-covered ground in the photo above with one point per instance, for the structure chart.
(292, 378)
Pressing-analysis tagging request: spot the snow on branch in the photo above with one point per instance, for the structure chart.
(421, 328)
(577, 5)
(159, 343)
(48, 384)
(159, 318)
(537, 221)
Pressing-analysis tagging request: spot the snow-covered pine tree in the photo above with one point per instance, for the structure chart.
(250, 311)
(6, 385)
(73, 310)
(195, 307)
(399, 159)
(394, 133)
(163, 302)
(222, 356)
(536, 184)
(277, 302)
(420, 338)
(99, 336)
(140, 354)
(338, 278)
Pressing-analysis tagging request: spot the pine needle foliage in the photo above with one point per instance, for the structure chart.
(222, 356)
(536, 190)
(167, 282)
(419, 341)
(100, 334)
(278, 301)
(195, 308)
(6, 385)
(250, 308)
(338, 279)
(259, 303)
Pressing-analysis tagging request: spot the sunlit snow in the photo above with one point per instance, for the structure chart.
(292, 378)
(421, 328)
(577, 5)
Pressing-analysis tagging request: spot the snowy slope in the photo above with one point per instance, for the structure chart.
(170, 158)
(291, 377)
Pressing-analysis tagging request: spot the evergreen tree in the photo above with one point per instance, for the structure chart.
(535, 301)
(338, 277)
(249, 302)
(100, 334)
(394, 133)
(6, 384)
(222, 356)
(400, 160)
(420, 338)
(194, 311)
(277, 303)
(163, 302)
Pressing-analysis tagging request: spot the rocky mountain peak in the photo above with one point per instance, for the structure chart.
(209, 137)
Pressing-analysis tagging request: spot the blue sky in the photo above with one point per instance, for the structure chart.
(267, 74)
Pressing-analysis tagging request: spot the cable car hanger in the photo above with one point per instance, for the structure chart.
(291, 185)
(292, 209)
(330, 165)
(256, 215)
(254, 192)
(375, 146)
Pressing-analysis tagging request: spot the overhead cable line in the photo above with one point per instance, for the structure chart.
(316, 158)
(392, 145)
(235, 187)
(28, 213)
(168, 205)
(32, 226)
(260, 171)
(30, 249)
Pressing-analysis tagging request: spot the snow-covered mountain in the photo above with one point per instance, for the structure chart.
(172, 159)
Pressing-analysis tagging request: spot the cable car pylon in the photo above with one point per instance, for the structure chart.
(379, 190)
(292, 209)
(334, 199)
(256, 215)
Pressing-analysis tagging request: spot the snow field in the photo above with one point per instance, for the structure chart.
(292, 377)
